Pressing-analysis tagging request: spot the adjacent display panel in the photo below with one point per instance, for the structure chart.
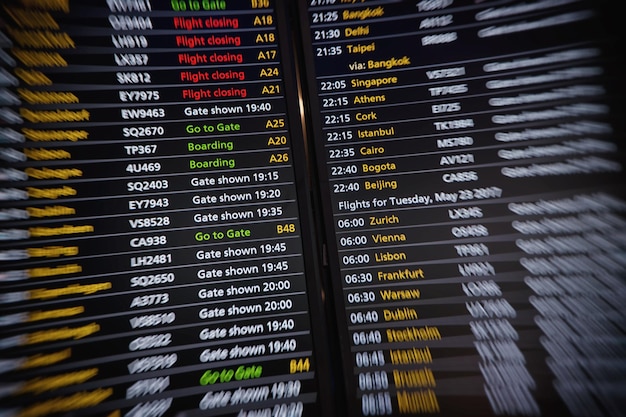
(153, 252)
(469, 155)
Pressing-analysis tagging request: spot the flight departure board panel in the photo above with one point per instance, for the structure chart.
(152, 244)
(469, 155)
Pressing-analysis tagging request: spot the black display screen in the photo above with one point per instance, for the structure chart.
(311, 208)
(469, 154)
(153, 255)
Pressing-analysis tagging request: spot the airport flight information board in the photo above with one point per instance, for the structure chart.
(476, 204)
(311, 208)
(153, 262)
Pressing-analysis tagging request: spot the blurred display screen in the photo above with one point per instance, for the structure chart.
(469, 152)
(311, 208)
